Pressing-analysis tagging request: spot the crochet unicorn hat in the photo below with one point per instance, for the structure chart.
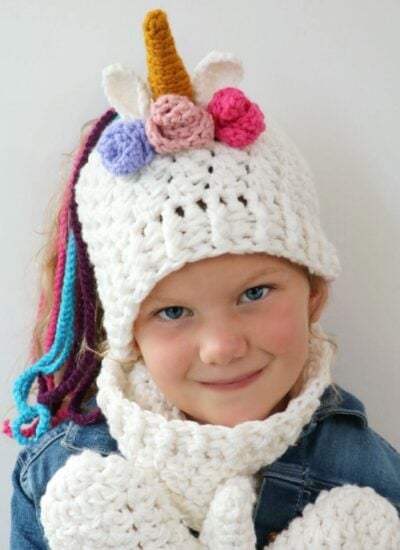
(178, 170)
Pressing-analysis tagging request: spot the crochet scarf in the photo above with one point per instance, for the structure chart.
(192, 460)
(176, 473)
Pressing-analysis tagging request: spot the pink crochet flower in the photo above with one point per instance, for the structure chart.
(175, 123)
(238, 121)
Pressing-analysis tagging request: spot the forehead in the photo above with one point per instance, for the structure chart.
(228, 267)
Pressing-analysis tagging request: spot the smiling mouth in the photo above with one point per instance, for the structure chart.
(234, 383)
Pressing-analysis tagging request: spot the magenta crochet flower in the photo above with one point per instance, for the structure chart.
(175, 123)
(238, 121)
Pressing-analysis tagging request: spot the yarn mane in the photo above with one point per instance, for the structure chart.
(72, 323)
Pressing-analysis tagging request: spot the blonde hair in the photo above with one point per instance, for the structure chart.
(315, 281)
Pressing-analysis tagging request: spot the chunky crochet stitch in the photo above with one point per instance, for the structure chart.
(175, 123)
(124, 147)
(238, 121)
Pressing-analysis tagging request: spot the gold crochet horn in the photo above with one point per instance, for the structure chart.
(167, 73)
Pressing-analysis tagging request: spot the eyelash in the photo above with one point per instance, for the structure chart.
(263, 287)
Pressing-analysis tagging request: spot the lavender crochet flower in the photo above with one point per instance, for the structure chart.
(124, 147)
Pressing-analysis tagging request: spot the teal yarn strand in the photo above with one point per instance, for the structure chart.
(53, 360)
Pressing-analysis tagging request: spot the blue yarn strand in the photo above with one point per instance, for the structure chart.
(54, 358)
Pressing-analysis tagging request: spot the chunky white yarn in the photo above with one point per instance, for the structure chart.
(344, 518)
(126, 91)
(192, 205)
(176, 474)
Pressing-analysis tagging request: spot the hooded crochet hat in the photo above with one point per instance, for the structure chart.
(188, 172)
(179, 170)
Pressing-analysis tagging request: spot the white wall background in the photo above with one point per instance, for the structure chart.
(327, 70)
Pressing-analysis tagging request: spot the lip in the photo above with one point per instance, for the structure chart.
(235, 383)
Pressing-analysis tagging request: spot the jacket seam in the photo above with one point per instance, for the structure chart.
(68, 442)
(26, 464)
(345, 412)
(102, 450)
(24, 478)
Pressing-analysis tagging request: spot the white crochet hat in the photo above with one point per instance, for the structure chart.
(186, 190)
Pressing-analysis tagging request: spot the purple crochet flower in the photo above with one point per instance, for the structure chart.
(124, 147)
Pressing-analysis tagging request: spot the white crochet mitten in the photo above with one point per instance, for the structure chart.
(344, 518)
(98, 502)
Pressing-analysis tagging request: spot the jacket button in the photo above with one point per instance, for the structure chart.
(271, 536)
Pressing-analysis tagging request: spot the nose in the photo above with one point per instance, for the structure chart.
(222, 342)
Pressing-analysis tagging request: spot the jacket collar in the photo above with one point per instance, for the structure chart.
(343, 403)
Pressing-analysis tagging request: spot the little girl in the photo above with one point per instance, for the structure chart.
(191, 258)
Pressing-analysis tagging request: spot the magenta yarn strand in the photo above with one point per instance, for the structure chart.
(58, 281)
(48, 381)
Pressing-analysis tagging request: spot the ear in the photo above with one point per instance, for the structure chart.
(319, 294)
(217, 70)
(136, 348)
(126, 92)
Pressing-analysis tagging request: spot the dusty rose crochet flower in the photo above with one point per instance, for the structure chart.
(175, 124)
(238, 121)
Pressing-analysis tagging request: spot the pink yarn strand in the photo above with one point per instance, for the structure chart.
(27, 431)
(62, 244)
(58, 280)
(59, 272)
(6, 428)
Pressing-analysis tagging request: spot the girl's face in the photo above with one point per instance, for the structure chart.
(226, 338)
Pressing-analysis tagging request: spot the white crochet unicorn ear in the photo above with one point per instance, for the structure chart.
(126, 91)
(217, 70)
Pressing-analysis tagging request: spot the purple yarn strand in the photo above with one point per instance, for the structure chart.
(53, 398)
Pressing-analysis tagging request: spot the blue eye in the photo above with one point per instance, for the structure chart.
(255, 293)
(172, 313)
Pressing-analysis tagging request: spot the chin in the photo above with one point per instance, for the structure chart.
(230, 420)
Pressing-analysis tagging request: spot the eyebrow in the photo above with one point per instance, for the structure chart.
(264, 272)
(158, 300)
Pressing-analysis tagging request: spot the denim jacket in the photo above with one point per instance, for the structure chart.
(336, 447)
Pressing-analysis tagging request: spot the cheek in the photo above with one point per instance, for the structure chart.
(285, 328)
(165, 354)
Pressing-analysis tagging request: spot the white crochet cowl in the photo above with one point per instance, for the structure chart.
(192, 460)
